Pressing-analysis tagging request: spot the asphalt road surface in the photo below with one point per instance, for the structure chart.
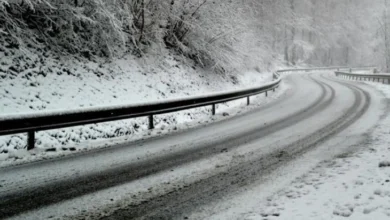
(190, 174)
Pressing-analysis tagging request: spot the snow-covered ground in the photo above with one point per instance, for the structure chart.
(303, 198)
(35, 81)
(351, 186)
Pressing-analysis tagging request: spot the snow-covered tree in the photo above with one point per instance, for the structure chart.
(223, 35)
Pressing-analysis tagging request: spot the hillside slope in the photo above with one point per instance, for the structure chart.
(35, 81)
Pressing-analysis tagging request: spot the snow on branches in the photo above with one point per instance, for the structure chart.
(223, 35)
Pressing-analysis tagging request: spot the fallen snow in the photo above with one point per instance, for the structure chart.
(340, 179)
(302, 199)
(351, 186)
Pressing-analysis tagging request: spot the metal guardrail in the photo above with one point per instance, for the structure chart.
(384, 78)
(32, 123)
(280, 72)
(338, 68)
(313, 69)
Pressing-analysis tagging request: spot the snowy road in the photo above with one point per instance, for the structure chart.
(217, 171)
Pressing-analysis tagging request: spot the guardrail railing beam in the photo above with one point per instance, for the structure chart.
(373, 77)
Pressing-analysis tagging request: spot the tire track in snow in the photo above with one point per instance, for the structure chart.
(175, 204)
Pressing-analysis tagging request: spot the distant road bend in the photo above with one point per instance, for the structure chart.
(190, 172)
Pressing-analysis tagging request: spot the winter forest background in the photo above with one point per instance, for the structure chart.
(223, 35)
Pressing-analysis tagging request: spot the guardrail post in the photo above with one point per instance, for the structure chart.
(248, 100)
(350, 70)
(151, 123)
(213, 109)
(266, 93)
(30, 140)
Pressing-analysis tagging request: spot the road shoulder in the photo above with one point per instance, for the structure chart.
(355, 185)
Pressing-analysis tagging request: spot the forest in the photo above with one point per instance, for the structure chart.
(222, 35)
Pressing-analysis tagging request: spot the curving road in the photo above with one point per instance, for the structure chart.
(192, 173)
